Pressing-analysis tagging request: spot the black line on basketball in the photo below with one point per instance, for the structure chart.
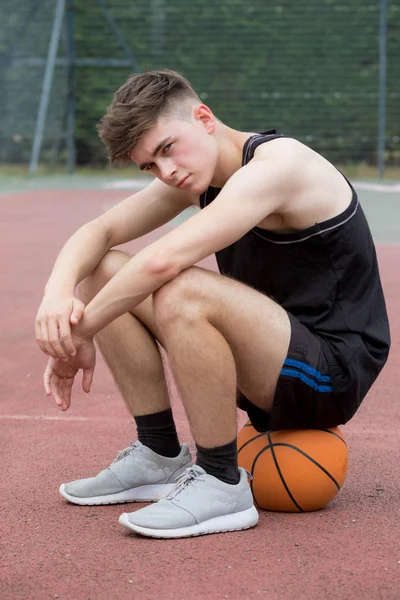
(267, 447)
(335, 434)
(309, 458)
(249, 441)
(252, 469)
(280, 472)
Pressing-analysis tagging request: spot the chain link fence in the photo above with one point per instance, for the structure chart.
(324, 71)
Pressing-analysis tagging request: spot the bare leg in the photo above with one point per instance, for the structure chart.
(204, 369)
(129, 347)
(220, 335)
(135, 362)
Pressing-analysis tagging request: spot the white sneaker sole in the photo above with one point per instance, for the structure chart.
(145, 493)
(233, 522)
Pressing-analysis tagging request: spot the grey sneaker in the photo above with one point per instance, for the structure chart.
(198, 504)
(137, 475)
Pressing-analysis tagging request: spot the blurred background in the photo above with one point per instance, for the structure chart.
(324, 71)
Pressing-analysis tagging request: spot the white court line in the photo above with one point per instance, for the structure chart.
(126, 184)
(139, 184)
(378, 187)
(352, 430)
(56, 418)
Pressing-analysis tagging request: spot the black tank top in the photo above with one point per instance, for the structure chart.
(326, 276)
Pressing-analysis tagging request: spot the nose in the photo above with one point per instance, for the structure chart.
(168, 171)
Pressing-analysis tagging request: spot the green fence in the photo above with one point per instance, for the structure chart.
(324, 71)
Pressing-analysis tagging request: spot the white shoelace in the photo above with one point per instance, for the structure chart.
(126, 451)
(188, 477)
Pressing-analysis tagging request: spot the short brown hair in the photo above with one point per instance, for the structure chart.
(137, 105)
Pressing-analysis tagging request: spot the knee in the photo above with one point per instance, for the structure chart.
(109, 265)
(179, 298)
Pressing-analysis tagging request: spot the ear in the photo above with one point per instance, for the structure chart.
(205, 117)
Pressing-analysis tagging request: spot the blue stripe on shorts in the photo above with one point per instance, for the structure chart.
(290, 362)
(313, 384)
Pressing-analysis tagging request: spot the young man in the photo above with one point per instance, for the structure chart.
(294, 329)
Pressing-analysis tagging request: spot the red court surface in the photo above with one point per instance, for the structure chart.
(50, 549)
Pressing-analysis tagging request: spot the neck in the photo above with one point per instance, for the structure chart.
(230, 142)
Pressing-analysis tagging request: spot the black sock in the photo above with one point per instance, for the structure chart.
(157, 432)
(221, 462)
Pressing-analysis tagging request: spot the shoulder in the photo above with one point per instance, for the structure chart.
(286, 163)
(274, 166)
(284, 150)
(263, 183)
(305, 182)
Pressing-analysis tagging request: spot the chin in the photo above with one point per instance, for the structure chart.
(202, 187)
(199, 190)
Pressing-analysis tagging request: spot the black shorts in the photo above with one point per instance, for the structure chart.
(304, 396)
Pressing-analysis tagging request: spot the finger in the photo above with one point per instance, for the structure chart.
(46, 343)
(46, 378)
(54, 386)
(87, 379)
(54, 338)
(44, 337)
(77, 313)
(55, 390)
(60, 391)
(67, 392)
(65, 333)
(76, 317)
(37, 332)
(64, 405)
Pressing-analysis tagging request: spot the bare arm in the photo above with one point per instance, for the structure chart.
(132, 218)
(144, 212)
(251, 194)
(78, 257)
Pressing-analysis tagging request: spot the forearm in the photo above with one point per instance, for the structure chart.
(78, 258)
(129, 287)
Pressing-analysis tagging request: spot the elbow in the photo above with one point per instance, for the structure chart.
(163, 268)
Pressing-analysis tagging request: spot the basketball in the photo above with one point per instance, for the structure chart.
(293, 470)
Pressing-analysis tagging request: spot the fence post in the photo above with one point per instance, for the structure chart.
(382, 87)
(46, 87)
(71, 150)
(118, 34)
(158, 18)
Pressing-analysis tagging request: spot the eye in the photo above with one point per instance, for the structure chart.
(166, 148)
(149, 167)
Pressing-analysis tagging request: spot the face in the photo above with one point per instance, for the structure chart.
(182, 154)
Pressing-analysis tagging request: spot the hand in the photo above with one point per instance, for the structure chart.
(53, 324)
(59, 375)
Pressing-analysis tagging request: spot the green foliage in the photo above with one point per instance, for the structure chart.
(308, 67)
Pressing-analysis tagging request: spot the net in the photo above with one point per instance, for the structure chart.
(307, 67)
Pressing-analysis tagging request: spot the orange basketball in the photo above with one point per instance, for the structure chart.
(293, 470)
